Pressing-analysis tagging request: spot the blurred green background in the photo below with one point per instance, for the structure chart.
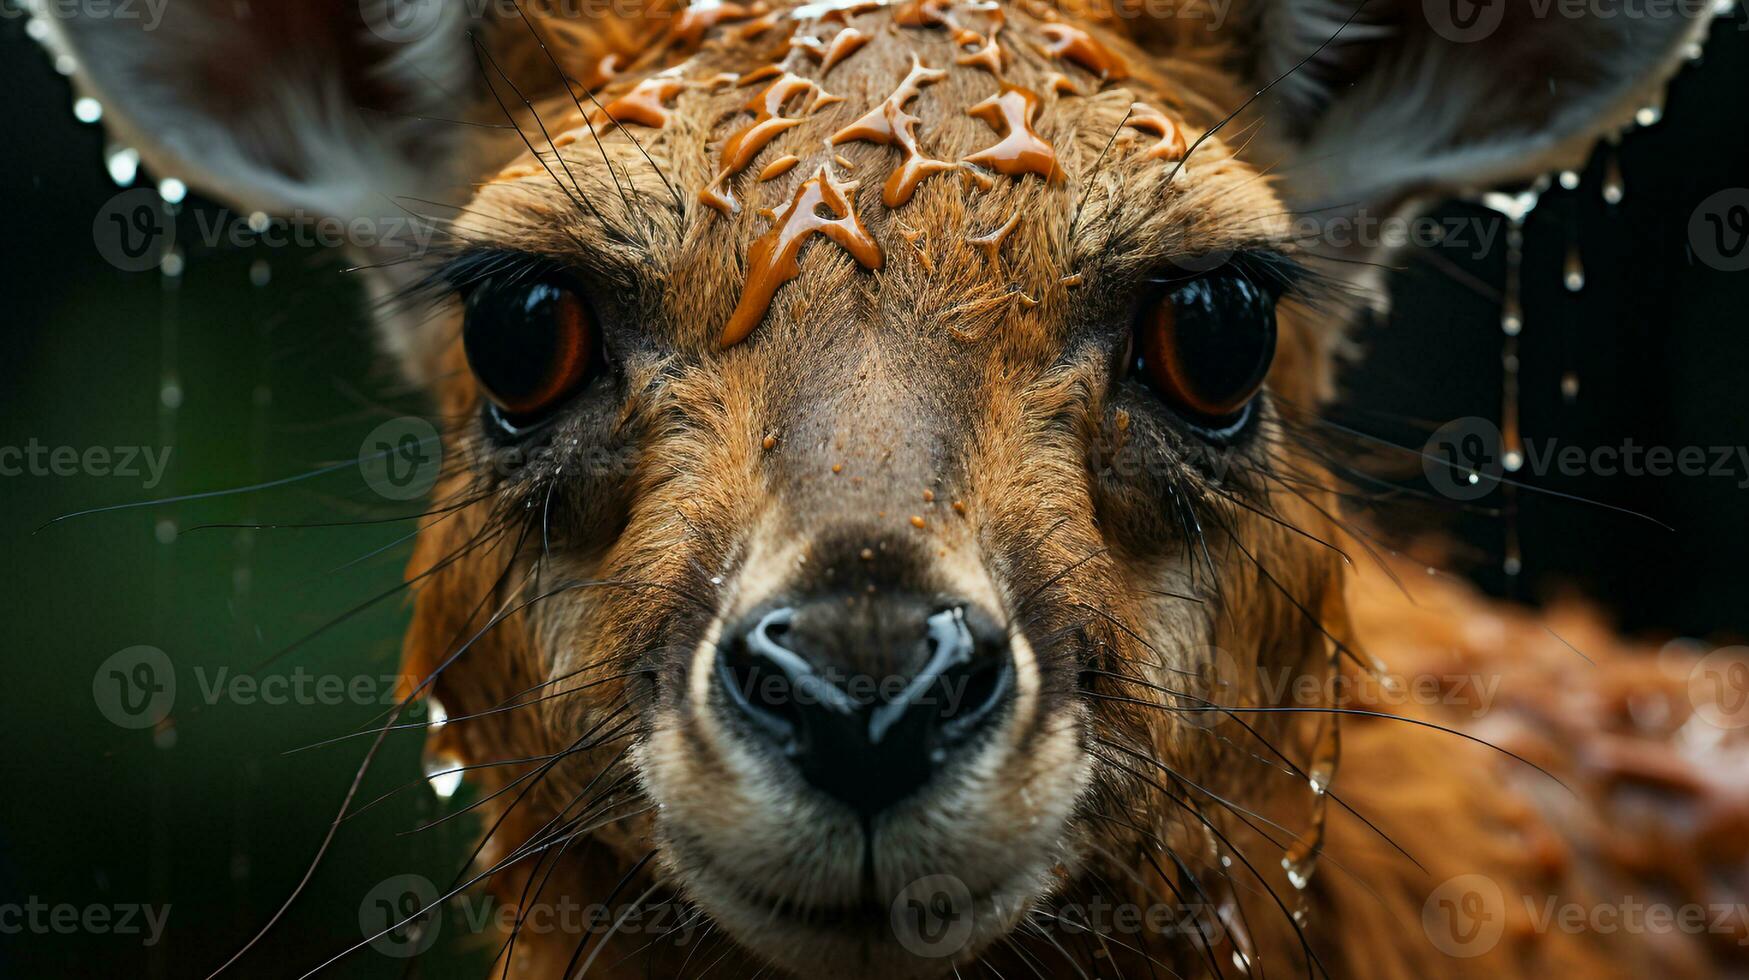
(209, 814)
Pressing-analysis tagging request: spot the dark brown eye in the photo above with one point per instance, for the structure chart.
(530, 344)
(1205, 347)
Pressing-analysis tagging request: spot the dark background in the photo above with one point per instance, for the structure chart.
(211, 815)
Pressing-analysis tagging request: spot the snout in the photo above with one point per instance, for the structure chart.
(863, 720)
(867, 697)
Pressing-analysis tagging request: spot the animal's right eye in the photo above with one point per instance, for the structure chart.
(531, 345)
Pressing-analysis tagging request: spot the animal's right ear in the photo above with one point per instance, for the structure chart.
(348, 109)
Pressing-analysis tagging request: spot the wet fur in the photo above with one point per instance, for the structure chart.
(562, 602)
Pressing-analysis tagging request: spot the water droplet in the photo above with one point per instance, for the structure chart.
(1613, 186)
(1512, 565)
(1513, 461)
(1574, 274)
(260, 273)
(123, 164)
(1649, 115)
(435, 715)
(65, 65)
(87, 110)
(258, 221)
(172, 265)
(170, 394)
(1570, 386)
(165, 531)
(441, 771)
(172, 190)
(37, 29)
(1570, 179)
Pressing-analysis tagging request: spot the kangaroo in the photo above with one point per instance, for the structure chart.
(883, 517)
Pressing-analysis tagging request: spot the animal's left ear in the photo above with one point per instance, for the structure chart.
(1437, 96)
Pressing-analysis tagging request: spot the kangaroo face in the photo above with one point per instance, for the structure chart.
(877, 435)
(896, 529)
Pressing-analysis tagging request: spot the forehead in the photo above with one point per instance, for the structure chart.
(969, 164)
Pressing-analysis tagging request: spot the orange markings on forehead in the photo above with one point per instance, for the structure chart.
(646, 104)
(772, 259)
(768, 122)
(777, 168)
(605, 70)
(696, 20)
(992, 243)
(1011, 112)
(1061, 84)
(988, 57)
(1147, 119)
(843, 44)
(923, 13)
(889, 124)
(1076, 45)
(759, 25)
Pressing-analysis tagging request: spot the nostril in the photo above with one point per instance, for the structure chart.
(864, 743)
(758, 683)
(972, 694)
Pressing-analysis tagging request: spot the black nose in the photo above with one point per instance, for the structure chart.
(868, 698)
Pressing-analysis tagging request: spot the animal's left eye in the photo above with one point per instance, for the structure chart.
(530, 344)
(1205, 346)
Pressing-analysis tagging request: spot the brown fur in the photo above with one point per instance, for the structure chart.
(933, 374)
(954, 413)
